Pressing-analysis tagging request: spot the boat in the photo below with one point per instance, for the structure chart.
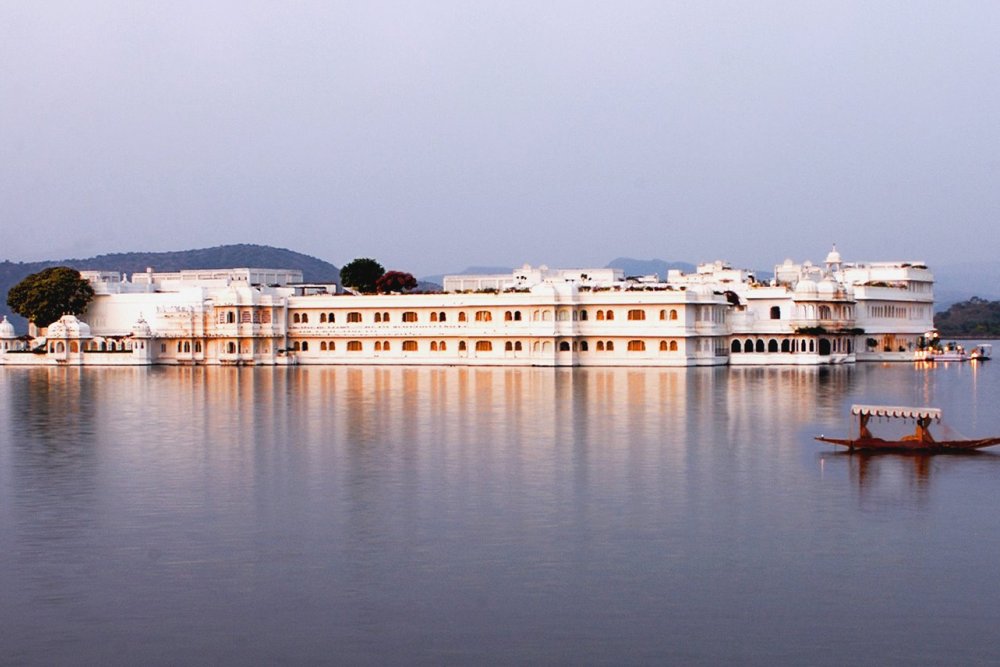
(920, 441)
(981, 352)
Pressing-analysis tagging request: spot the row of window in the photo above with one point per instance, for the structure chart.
(635, 314)
(791, 345)
(246, 317)
(487, 346)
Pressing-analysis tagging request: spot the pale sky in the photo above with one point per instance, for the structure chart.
(436, 135)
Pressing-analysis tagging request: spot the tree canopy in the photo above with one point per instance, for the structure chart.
(975, 317)
(395, 281)
(361, 274)
(46, 296)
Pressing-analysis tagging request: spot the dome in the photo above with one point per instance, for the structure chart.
(826, 286)
(68, 326)
(805, 287)
(7, 329)
(701, 290)
(833, 257)
(141, 329)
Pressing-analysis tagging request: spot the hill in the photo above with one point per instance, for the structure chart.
(219, 257)
(973, 318)
(645, 267)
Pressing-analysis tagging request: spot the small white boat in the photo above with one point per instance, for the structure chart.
(981, 352)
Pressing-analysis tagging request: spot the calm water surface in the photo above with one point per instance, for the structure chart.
(454, 516)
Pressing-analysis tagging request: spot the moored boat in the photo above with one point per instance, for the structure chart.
(921, 439)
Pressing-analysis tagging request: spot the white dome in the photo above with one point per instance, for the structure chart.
(833, 257)
(141, 329)
(701, 290)
(7, 329)
(805, 287)
(68, 326)
(826, 286)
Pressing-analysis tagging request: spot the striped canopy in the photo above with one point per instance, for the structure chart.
(901, 412)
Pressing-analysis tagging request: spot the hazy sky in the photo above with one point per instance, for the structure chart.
(434, 135)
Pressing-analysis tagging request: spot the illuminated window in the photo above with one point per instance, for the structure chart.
(409, 346)
(484, 316)
(354, 316)
(637, 346)
(461, 317)
(636, 314)
(354, 346)
(484, 346)
(409, 316)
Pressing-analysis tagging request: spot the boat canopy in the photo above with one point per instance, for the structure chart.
(896, 411)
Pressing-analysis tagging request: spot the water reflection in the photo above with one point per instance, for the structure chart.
(436, 515)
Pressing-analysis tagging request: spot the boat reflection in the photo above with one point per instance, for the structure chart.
(900, 475)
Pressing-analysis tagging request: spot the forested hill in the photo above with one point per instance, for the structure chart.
(219, 257)
(975, 317)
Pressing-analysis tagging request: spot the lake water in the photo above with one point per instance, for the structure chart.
(453, 516)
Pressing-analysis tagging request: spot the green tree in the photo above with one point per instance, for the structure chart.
(46, 296)
(361, 274)
(395, 281)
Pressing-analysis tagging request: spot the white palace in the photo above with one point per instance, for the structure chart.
(836, 312)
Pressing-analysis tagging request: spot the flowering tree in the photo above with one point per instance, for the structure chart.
(395, 281)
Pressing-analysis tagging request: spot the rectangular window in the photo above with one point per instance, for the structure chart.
(409, 316)
(409, 346)
(636, 314)
(354, 317)
(484, 316)
(354, 346)
(484, 346)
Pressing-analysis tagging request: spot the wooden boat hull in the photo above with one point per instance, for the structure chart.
(912, 445)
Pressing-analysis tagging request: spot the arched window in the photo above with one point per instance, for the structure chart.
(508, 316)
(231, 317)
(546, 315)
(187, 346)
(600, 343)
(434, 343)
(785, 347)
(517, 346)
(74, 346)
(179, 346)
(564, 346)
(442, 346)
(461, 316)
(610, 315)
(434, 317)
(197, 346)
(409, 316)
(673, 314)
(231, 347)
(583, 315)
(353, 317)
(824, 313)
(673, 346)
(772, 345)
(600, 315)
(562, 316)
(385, 346)
(442, 317)
(385, 317)
(736, 347)
(461, 346)
(484, 316)
(305, 318)
(775, 313)
(378, 318)
(760, 345)
(296, 318)
(584, 347)
(812, 346)
(508, 347)
(331, 346)
(305, 346)
(409, 346)
(322, 318)
(354, 346)
(748, 345)
(637, 314)
(322, 346)
(637, 346)
(484, 346)
(329, 318)
(378, 344)
(517, 315)
(610, 345)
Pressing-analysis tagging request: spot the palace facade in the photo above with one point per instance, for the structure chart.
(805, 314)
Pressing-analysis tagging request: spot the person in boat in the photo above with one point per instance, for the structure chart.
(864, 433)
(922, 432)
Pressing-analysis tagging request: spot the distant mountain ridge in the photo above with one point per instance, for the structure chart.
(218, 257)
